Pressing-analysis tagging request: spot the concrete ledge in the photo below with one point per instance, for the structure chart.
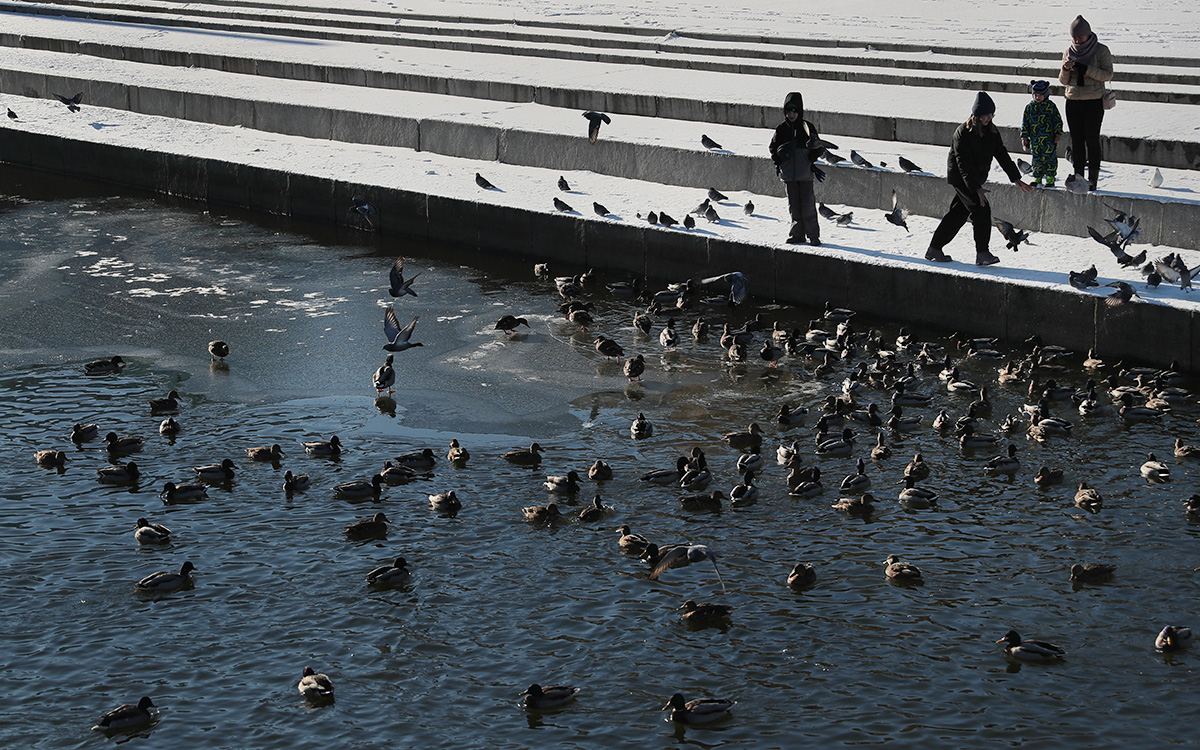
(974, 304)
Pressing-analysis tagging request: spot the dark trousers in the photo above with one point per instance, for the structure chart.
(964, 207)
(1083, 121)
(802, 204)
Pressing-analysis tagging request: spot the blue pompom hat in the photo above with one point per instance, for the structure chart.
(1039, 87)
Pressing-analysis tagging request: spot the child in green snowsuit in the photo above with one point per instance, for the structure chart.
(1041, 129)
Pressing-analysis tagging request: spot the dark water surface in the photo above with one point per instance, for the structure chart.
(495, 603)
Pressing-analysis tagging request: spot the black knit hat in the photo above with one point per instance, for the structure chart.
(983, 105)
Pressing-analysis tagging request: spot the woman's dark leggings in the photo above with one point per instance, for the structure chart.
(1083, 121)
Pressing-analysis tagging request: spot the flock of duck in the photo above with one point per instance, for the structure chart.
(897, 370)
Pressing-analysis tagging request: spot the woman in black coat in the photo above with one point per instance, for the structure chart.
(975, 144)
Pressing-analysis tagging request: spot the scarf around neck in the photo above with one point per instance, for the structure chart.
(1083, 53)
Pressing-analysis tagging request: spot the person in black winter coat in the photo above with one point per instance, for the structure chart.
(794, 150)
(974, 145)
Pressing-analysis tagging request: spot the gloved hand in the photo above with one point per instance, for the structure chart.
(818, 173)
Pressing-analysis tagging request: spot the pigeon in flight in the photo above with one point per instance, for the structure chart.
(1124, 294)
(1011, 234)
(398, 338)
(594, 120)
(1127, 228)
(908, 166)
(73, 102)
(716, 195)
(1114, 244)
(709, 143)
(682, 555)
(1156, 179)
(737, 285)
(897, 215)
(482, 182)
(599, 209)
(561, 205)
(398, 285)
(360, 206)
(857, 159)
(563, 185)
(1083, 279)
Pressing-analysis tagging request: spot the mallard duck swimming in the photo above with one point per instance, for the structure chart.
(804, 482)
(1047, 477)
(881, 451)
(50, 459)
(1173, 638)
(903, 572)
(593, 512)
(169, 427)
(750, 438)
(785, 453)
(563, 485)
(1005, 463)
(165, 582)
(445, 502)
(667, 476)
(151, 533)
(858, 482)
(1092, 572)
(124, 444)
(1192, 507)
(841, 446)
(789, 416)
(802, 575)
(530, 456)
(390, 575)
(265, 452)
(971, 439)
(600, 471)
(856, 506)
(457, 454)
(1030, 651)
(177, 493)
(81, 433)
(1155, 470)
(699, 711)
(421, 459)
(368, 528)
(630, 542)
(641, 427)
(127, 716)
(1088, 498)
(711, 501)
(509, 324)
(746, 492)
(295, 482)
(330, 447)
(917, 468)
(1133, 413)
(697, 614)
(916, 497)
(538, 698)
(222, 472)
(542, 514)
(897, 422)
(127, 474)
(359, 488)
(697, 476)
(169, 403)
(749, 462)
(315, 687)
(393, 474)
(218, 349)
(104, 366)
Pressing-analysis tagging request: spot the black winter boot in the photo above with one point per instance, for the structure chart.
(935, 254)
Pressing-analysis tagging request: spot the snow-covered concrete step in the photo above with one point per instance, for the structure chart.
(418, 194)
(1136, 132)
(647, 148)
(1142, 83)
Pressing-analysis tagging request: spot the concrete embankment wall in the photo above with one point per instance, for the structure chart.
(1174, 224)
(1147, 332)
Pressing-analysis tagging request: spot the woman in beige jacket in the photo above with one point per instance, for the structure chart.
(1087, 66)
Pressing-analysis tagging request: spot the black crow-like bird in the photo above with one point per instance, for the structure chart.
(594, 119)
(73, 102)
(709, 143)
